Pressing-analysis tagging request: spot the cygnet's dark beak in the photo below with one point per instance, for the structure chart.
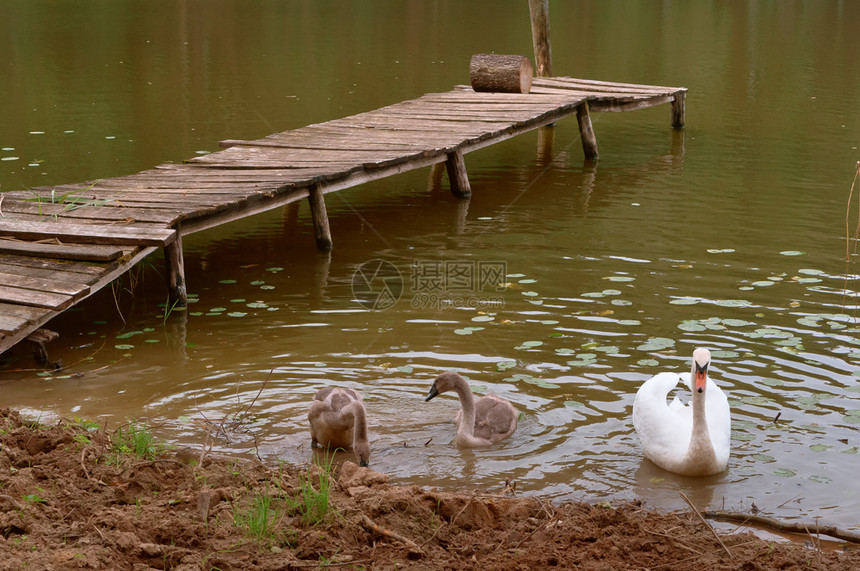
(433, 392)
(362, 463)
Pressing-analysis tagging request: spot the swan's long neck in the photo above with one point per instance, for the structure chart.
(467, 401)
(701, 448)
(359, 420)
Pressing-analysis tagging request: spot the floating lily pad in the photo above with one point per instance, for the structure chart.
(620, 278)
(820, 479)
(732, 303)
(648, 362)
(505, 365)
(633, 322)
(515, 276)
(720, 354)
(756, 400)
(852, 450)
(656, 344)
(736, 322)
(764, 457)
(691, 325)
(275, 269)
(257, 305)
(810, 321)
(267, 287)
(742, 436)
(527, 281)
(820, 447)
(530, 293)
(684, 301)
(227, 282)
(257, 282)
(237, 314)
(573, 404)
(609, 349)
(405, 368)
(784, 472)
(529, 344)
(467, 330)
(851, 419)
(565, 351)
(772, 382)
(124, 347)
(762, 283)
(621, 302)
(480, 318)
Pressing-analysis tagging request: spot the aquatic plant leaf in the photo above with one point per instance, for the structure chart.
(820, 479)
(764, 457)
(505, 365)
(227, 282)
(820, 447)
(656, 344)
(573, 404)
(124, 347)
(684, 301)
(762, 283)
(691, 325)
(784, 472)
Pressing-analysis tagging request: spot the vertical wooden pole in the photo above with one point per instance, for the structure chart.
(322, 233)
(586, 132)
(177, 293)
(434, 180)
(457, 176)
(678, 110)
(539, 11)
(545, 138)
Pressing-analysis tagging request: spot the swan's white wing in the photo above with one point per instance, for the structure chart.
(664, 430)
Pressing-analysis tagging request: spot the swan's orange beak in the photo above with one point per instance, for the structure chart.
(701, 377)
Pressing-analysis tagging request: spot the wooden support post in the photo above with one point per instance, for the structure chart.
(586, 132)
(322, 233)
(457, 176)
(177, 293)
(545, 138)
(678, 110)
(40, 338)
(539, 11)
(434, 179)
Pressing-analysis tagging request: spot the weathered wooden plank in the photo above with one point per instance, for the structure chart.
(91, 253)
(62, 266)
(38, 272)
(43, 284)
(9, 323)
(33, 298)
(95, 213)
(88, 233)
(23, 312)
(597, 84)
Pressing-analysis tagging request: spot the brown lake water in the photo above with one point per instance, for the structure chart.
(730, 235)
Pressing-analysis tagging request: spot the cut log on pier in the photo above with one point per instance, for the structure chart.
(501, 73)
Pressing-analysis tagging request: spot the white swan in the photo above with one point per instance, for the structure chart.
(338, 420)
(480, 422)
(691, 440)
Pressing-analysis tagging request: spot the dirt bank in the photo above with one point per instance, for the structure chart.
(70, 498)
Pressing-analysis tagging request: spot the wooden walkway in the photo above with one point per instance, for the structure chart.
(60, 244)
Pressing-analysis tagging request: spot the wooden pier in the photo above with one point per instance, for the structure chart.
(60, 244)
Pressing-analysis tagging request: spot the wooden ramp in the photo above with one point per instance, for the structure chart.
(60, 244)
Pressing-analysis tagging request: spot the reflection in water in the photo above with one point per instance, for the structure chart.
(614, 269)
